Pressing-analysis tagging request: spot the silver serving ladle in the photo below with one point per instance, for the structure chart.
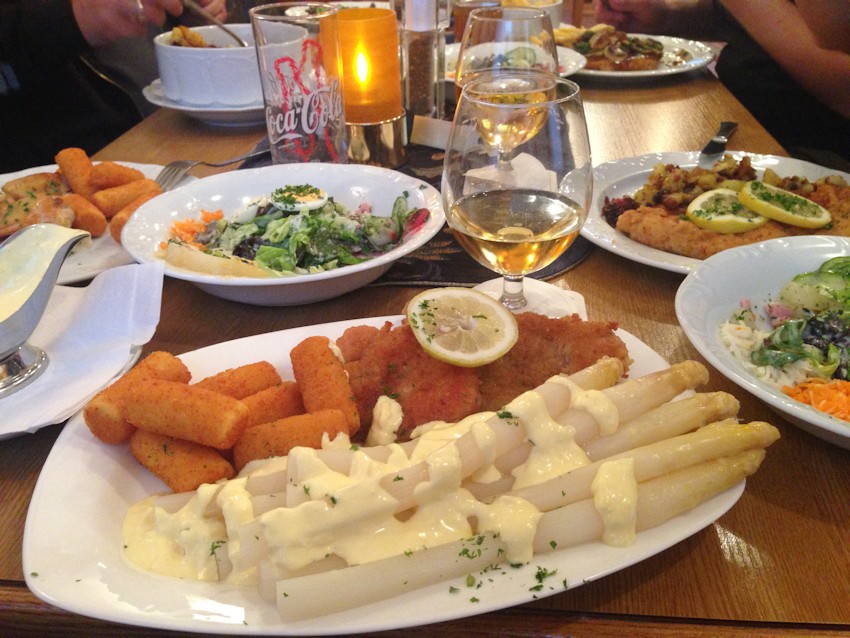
(29, 266)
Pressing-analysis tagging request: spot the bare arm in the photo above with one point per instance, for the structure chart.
(690, 18)
(810, 40)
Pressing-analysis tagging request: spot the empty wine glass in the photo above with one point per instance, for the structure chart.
(517, 177)
(506, 38)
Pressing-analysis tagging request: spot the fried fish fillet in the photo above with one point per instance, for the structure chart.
(389, 361)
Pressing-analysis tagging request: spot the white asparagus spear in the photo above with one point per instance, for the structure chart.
(717, 440)
(658, 501)
(637, 396)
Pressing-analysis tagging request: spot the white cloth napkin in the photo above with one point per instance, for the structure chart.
(90, 335)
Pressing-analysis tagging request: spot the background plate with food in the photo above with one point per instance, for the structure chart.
(85, 571)
(635, 56)
(104, 252)
(349, 185)
(755, 274)
(569, 61)
(625, 177)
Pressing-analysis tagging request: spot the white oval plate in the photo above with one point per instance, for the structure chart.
(626, 176)
(700, 55)
(78, 565)
(104, 253)
(349, 184)
(569, 61)
(252, 115)
(713, 292)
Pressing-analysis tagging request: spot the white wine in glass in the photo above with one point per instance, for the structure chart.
(517, 177)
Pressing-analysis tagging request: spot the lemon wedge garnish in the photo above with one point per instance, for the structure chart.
(461, 326)
(783, 206)
(721, 210)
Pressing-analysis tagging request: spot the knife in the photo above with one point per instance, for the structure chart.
(717, 144)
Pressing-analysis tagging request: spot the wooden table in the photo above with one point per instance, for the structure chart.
(777, 564)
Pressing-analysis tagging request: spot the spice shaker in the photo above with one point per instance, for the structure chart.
(423, 58)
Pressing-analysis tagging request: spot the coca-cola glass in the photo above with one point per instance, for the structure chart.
(301, 74)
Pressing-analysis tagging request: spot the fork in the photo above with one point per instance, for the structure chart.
(173, 172)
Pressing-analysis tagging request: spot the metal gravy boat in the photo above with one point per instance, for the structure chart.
(29, 266)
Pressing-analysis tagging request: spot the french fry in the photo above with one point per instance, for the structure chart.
(181, 465)
(116, 224)
(279, 437)
(87, 216)
(76, 167)
(185, 412)
(322, 380)
(274, 403)
(104, 413)
(112, 200)
(242, 381)
(110, 174)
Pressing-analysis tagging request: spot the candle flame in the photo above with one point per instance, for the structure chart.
(361, 67)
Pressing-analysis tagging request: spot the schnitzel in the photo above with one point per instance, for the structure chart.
(655, 215)
(389, 361)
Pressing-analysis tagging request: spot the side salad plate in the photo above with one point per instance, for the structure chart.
(754, 275)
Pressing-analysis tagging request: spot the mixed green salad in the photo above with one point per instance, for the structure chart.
(810, 323)
(299, 229)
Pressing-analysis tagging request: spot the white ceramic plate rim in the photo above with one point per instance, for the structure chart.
(569, 61)
(78, 565)
(104, 252)
(625, 176)
(701, 53)
(150, 224)
(712, 293)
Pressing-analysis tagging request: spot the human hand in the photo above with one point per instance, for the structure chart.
(105, 21)
(216, 8)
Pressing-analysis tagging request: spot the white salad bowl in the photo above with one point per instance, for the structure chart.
(350, 185)
(710, 295)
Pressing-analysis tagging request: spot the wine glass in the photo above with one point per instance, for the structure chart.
(517, 177)
(501, 38)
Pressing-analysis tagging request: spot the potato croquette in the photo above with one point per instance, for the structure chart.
(87, 216)
(274, 403)
(186, 412)
(112, 200)
(242, 381)
(183, 466)
(279, 437)
(104, 413)
(323, 381)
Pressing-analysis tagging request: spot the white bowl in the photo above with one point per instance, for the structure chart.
(226, 76)
(711, 293)
(349, 184)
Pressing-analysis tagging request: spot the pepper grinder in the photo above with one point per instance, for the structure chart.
(423, 58)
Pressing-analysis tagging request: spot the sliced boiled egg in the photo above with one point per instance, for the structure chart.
(298, 198)
(721, 211)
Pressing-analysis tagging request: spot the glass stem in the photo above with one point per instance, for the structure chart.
(512, 295)
(503, 163)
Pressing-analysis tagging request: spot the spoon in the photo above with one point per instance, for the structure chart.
(202, 13)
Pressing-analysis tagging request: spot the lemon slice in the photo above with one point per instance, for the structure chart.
(461, 326)
(721, 210)
(783, 206)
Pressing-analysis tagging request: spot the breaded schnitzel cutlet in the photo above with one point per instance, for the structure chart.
(656, 216)
(390, 361)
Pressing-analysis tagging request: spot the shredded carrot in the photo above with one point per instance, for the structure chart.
(186, 229)
(830, 396)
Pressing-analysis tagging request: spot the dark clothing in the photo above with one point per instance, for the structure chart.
(51, 95)
(800, 123)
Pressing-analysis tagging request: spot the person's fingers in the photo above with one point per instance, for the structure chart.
(216, 8)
